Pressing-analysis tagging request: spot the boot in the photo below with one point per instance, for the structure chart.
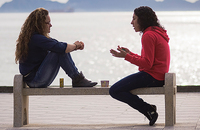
(81, 81)
(152, 115)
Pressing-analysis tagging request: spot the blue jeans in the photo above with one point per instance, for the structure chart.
(121, 90)
(49, 68)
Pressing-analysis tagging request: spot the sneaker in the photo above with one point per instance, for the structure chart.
(152, 115)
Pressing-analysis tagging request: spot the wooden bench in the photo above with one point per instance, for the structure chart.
(21, 95)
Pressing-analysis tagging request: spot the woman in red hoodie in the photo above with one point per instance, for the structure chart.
(153, 62)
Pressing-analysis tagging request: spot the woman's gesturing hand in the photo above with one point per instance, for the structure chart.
(121, 53)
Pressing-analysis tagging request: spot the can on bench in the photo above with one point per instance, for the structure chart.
(61, 82)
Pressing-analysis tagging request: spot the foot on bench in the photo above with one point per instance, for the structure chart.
(81, 81)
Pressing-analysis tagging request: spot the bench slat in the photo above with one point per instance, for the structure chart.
(148, 91)
(87, 91)
(66, 91)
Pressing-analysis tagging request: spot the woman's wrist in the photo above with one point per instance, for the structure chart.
(76, 46)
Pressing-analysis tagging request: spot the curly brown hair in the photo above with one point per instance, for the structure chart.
(35, 22)
(146, 17)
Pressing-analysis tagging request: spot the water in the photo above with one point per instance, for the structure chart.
(102, 31)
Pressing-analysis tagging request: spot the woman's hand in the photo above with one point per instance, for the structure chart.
(79, 45)
(121, 53)
(125, 49)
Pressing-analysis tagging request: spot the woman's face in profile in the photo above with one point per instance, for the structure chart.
(135, 24)
(48, 24)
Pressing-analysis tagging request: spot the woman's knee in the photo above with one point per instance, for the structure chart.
(112, 91)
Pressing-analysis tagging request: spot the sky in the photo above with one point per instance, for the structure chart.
(3, 1)
(65, 1)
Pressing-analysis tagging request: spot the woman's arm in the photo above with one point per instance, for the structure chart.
(147, 57)
(76, 46)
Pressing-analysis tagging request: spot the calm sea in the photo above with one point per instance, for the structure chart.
(102, 31)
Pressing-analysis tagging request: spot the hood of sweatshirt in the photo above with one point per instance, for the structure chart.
(158, 30)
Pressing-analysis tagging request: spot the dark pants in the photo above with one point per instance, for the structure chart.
(49, 68)
(121, 89)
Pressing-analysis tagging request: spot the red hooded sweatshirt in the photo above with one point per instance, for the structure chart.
(155, 53)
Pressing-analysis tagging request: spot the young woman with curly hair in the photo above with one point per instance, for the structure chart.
(40, 56)
(153, 62)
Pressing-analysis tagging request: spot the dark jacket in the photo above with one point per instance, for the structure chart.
(39, 46)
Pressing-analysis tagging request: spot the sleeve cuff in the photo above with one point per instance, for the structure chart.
(128, 57)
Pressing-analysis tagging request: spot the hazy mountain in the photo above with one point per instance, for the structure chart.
(98, 5)
(30, 5)
(129, 5)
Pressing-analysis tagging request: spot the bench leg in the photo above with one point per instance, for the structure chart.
(25, 110)
(21, 103)
(170, 99)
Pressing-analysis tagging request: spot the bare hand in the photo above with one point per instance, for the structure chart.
(79, 45)
(82, 45)
(121, 53)
(125, 49)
